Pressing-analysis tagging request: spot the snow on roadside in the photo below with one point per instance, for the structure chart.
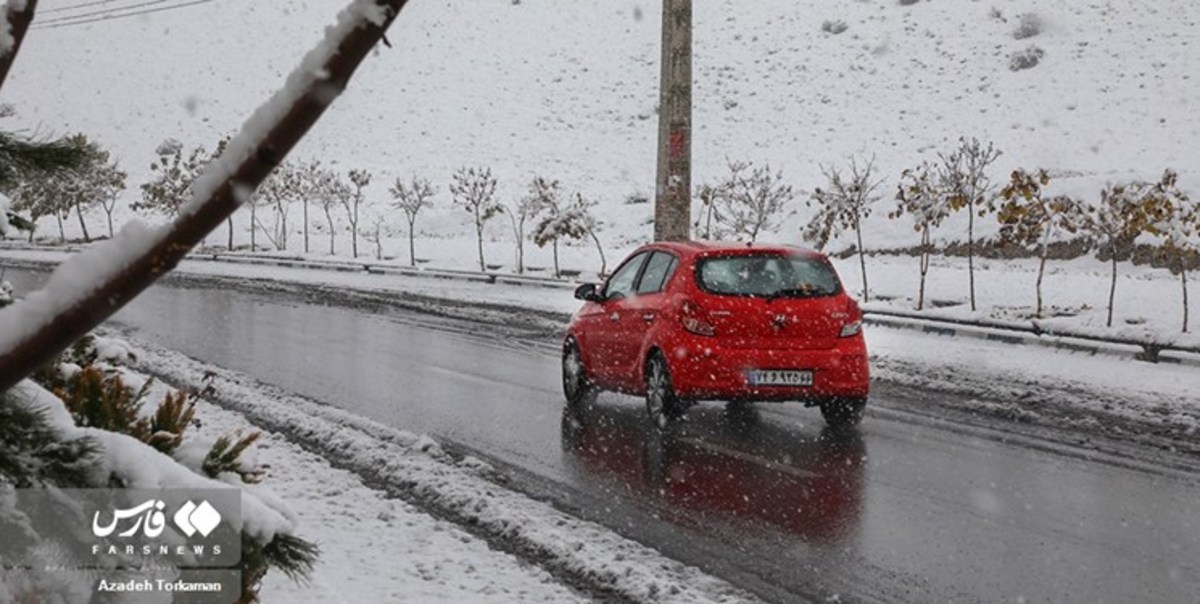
(375, 548)
(459, 490)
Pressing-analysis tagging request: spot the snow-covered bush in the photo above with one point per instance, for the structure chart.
(834, 26)
(1176, 225)
(1025, 59)
(1028, 26)
(1028, 217)
(1122, 214)
(919, 197)
(106, 400)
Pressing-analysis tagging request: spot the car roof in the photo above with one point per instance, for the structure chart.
(711, 248)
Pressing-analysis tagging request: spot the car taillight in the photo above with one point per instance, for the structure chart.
(853, 325)
(695, 320)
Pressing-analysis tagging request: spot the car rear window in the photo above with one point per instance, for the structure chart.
(768, 275)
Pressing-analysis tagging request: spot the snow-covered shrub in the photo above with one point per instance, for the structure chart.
(835, 26)
(1176, 224)
(1028, 26)
(1122, 214)
(751, 199)
(1025, 59)
(107, 402)
(1028, 217)
(919, 197)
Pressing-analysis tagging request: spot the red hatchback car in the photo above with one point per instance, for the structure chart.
(680, 322)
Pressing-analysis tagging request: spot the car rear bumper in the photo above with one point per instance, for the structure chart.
(703, 370)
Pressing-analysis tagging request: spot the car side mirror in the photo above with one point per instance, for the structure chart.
(588, 293)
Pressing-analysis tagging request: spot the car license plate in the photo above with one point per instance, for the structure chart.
(780, 377)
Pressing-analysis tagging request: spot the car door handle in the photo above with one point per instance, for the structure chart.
(614, 317)
(648, 317)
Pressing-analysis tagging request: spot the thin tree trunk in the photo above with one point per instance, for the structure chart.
(329, 219)
(1112, 287)
(305, 225)
(230, 221)
(253, 225)
(108, 212)
(1183, 280)
(971, 250)
(708, 220)
(924, 266)
(862, 259)
(82, 225)
(557, 273)
(599, 248)
(1041, 273)
(479, 239)
(412, 246)
(62, 235)
(354, 232)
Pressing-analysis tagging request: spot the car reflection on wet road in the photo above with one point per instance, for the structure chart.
(725, 461)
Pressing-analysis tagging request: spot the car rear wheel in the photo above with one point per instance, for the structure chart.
(843, 412)
(662, 405)
(577, 388)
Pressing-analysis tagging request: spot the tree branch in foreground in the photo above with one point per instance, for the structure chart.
(91, 287)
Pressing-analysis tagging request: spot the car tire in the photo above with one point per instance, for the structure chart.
(662, 404)
(577, 388)
(843, 412)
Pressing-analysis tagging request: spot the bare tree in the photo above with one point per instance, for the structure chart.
(1028, 217)
(330, 191)
(753, 197)
(359, 180)
(526, 209)
(844, 205)
(963, 176)
(175, 175)
(411, 198)
(919, 197)
(278, 191)
(111, 182)
(377, 230)
(474, 190)
(709, 197)
(590, 224)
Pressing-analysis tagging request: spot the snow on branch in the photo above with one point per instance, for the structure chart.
(18, 14)
(89, 288)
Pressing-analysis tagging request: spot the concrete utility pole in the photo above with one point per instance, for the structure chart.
(673, 197)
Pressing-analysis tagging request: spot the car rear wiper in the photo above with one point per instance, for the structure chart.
(796, 292)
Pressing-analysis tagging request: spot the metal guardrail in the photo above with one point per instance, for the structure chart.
(1150, 351)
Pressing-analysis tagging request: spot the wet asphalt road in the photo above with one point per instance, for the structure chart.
(906, 508)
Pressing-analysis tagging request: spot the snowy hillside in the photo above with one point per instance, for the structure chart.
(567, 89)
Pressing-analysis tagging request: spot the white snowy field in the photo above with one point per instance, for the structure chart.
(568, 90)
